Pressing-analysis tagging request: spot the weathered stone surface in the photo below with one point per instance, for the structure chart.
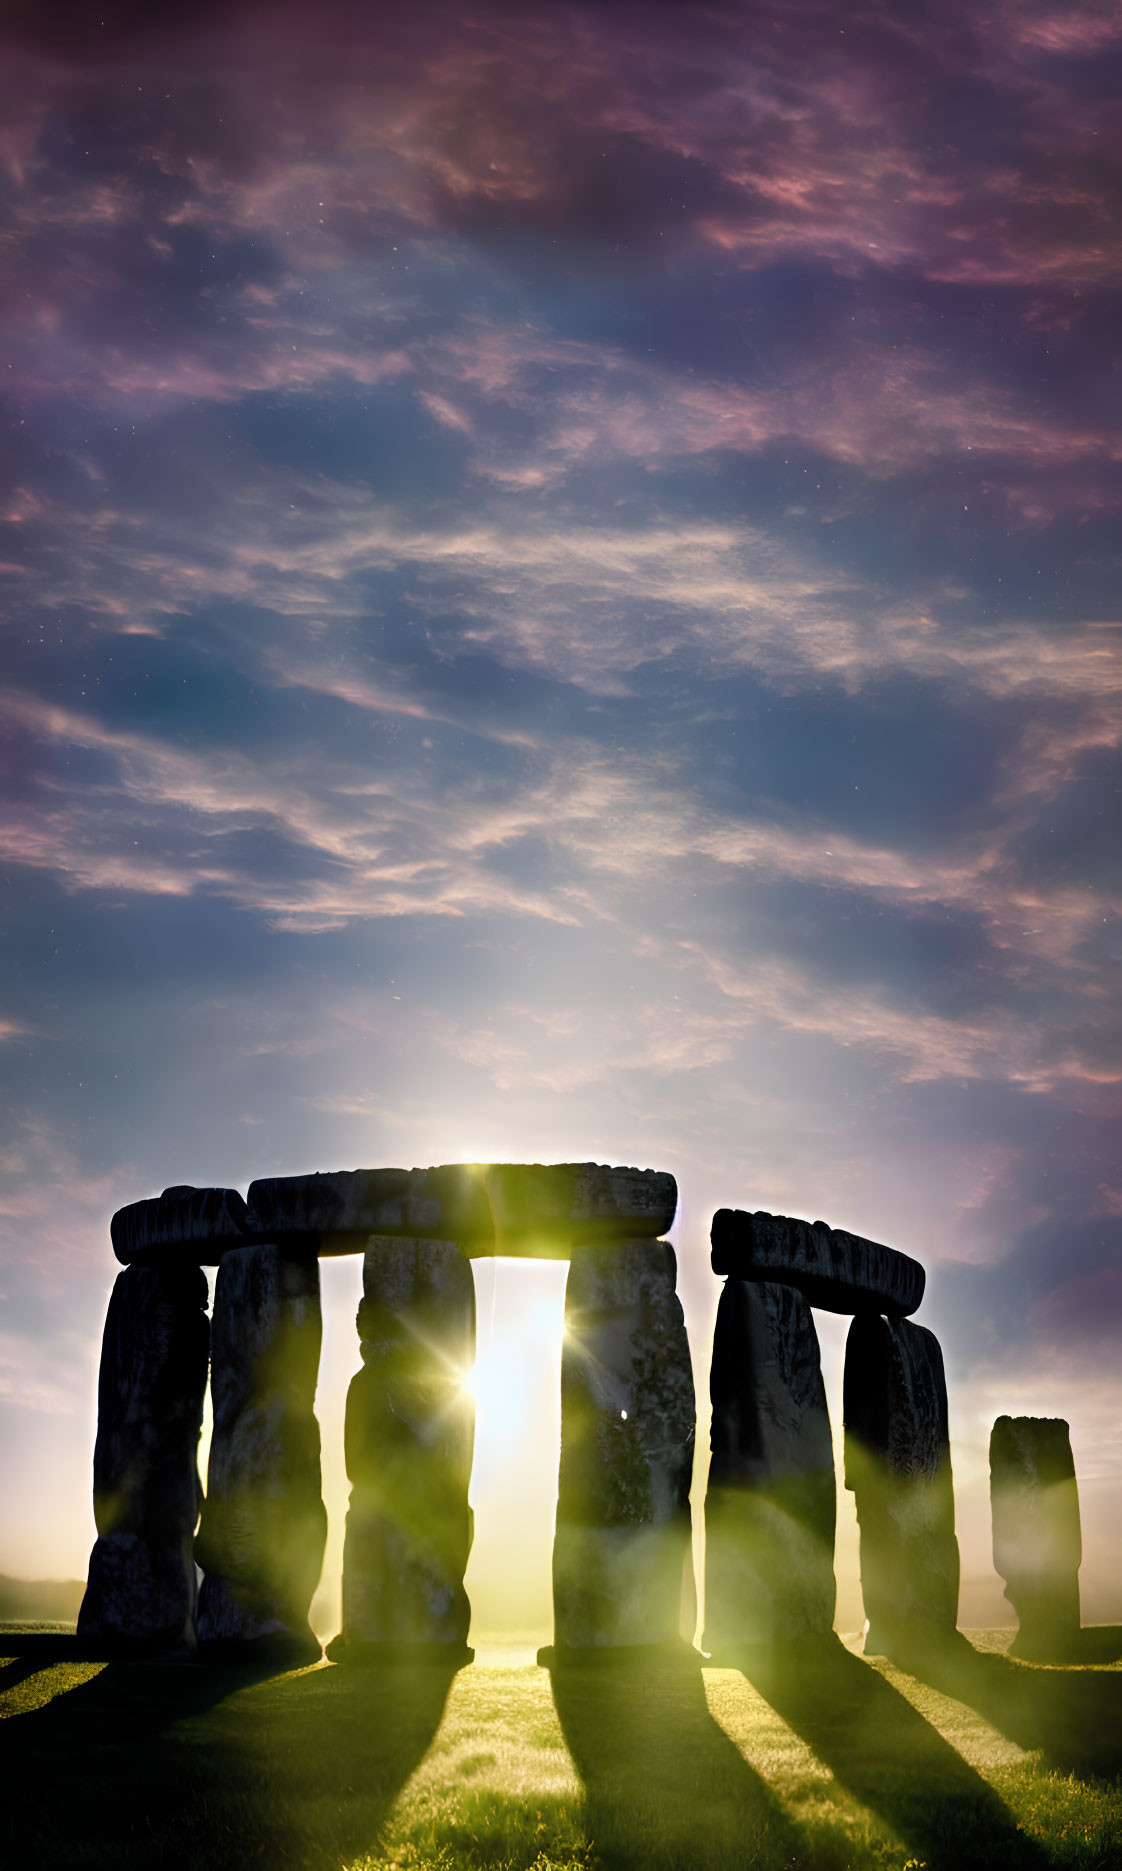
(193, 1226)
(770, 1505)
(837, 1271)
(141, 1586)
(346, 1206)
(409, 1432)
(542, 1209)
(1037, 1540)
(534, 1209)
(264, 1524)
(898, 1465)
(622, 1566)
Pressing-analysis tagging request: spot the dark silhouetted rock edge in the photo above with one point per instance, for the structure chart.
(205, 1221)
(535, 1209)
(838, 1271)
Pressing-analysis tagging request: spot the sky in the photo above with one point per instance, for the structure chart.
(561, 601)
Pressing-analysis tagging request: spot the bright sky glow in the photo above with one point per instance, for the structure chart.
(517, 1383)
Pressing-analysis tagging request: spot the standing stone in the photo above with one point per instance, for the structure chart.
(1037, 1545)
(409, 1431)
(141, 1587)
(898, 1465)
(622, 1565)
(264, 1524)
(771, 1501)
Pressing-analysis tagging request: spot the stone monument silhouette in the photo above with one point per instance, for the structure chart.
(622, 1558)
(622, 1564)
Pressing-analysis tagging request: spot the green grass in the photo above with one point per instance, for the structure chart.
(845, 1764)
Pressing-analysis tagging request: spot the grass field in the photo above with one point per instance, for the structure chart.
(845, 1764)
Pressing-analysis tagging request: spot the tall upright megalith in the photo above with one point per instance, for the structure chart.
(409, 1432)
(770, 1507)
(898, 1465)
(1037, 1540)
(622, 1566)
(264, 1524)
(141, 1587)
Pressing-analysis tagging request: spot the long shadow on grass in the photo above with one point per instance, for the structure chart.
(880, 1748)
(664, 1785)
(1074, 1714)
(191, 1767)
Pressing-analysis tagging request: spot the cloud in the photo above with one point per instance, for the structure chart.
(56, 1260)
(553, 592)
(571, 833)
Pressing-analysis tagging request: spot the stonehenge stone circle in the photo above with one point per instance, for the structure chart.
(839, 1272)
(409, 1435)
(264, 1524)
(898, 1466)
(622, 1560)
(622, 1565)
(141, 1585)
(409, 1413)
(1037, 1541)
(771, 1500)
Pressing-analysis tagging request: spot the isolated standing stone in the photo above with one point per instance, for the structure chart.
(898, 1465)
(264, 1524)
(1037, 1542)
(622, 1566)
(141, 1586)
(771, 1501)
(409, 1432)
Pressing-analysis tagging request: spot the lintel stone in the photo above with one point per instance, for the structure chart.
(544, 1210)
(344, 1207)
(838, 1271)
(536, 1210)
(184, 1224)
